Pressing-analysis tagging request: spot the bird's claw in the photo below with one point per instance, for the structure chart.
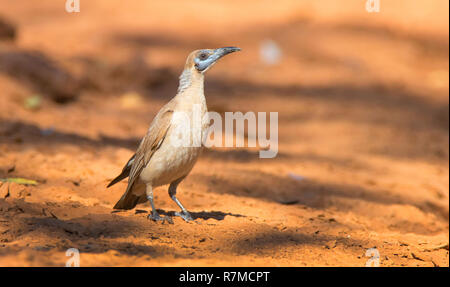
(156, 217)
(185, 215)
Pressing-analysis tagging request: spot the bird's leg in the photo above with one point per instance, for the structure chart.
(172, 193)
(154, 215)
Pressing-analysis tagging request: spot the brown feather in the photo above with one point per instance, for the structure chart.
(124, 174)
(150, 143)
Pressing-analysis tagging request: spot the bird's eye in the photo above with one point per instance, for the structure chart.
(203, 56)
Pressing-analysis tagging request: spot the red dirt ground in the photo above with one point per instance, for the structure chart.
(363, 117)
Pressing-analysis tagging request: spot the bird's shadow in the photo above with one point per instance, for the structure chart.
(217, 215)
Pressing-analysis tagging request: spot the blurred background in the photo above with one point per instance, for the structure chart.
(363, 103)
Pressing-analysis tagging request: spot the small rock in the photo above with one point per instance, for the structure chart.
(4, 191)
(17, 190)
(331, 244)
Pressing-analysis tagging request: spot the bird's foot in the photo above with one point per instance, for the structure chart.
(185, 215)
(156, 217)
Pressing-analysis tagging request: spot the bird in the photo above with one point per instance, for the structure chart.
(158, 161)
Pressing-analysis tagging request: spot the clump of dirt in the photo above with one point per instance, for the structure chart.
(39, 72)
(7, 30)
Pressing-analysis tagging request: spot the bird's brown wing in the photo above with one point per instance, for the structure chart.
(150, 143)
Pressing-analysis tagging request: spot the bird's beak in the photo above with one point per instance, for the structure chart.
(216, 55)
(219, 53)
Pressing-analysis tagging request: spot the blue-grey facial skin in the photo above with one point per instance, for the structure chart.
(211, 56)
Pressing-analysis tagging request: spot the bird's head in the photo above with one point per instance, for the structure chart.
(202, 60)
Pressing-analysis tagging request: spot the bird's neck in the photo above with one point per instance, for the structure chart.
(191, 81)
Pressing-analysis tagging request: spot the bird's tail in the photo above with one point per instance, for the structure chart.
(131, 198)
